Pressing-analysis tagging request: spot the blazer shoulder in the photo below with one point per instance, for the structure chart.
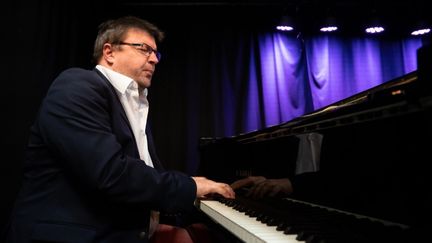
(79, 77)
(80, 73)
(77, 84)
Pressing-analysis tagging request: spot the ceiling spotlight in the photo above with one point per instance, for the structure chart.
(421, 29)
(285, 24)
(329, 25)
(374, 29)
(374, 26)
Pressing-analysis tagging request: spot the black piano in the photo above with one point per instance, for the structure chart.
(368, 181)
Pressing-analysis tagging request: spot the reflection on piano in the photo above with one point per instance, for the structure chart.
(373, 183)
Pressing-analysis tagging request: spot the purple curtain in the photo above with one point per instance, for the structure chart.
(341, 68)
(295, 76)
(230, 83)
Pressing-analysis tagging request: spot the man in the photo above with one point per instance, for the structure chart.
(91, 173)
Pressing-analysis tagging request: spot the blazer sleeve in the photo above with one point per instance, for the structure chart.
(76, 123)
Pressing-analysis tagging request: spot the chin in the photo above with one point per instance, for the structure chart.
(144, 83)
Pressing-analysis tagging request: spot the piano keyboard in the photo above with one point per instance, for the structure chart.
(289, 220)
(246, 228)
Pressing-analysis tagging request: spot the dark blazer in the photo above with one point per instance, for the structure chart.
(83, 179)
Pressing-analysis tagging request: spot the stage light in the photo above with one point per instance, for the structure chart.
(286, 24)
(421, 28)
(329, 25)
(374, 26)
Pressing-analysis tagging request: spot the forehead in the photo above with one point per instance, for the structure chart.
(139, 36)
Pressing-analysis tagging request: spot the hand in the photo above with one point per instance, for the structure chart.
(206, 187)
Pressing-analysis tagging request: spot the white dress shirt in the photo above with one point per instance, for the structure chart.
(136, 106)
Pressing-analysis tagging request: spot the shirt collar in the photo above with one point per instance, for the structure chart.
(120, 82)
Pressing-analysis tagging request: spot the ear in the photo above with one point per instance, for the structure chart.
(108, 53)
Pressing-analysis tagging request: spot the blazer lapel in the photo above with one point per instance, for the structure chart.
(116, 99)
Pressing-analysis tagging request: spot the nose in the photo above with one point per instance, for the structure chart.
(153, 58)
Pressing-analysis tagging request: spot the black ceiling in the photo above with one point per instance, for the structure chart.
(397, 15)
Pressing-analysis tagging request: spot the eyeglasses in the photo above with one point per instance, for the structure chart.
(144, 48)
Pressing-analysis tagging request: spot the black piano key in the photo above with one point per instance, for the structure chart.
(314, 224)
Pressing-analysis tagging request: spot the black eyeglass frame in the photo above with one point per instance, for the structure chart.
(144, 48)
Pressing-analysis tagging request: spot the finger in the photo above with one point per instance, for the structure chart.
(226, 191)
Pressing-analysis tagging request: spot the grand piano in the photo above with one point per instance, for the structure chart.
(370, 183)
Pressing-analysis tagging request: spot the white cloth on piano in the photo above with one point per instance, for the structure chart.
(309, 152)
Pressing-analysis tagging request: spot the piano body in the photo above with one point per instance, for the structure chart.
(371, 183)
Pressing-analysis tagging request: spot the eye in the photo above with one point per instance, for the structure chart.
(146, 49)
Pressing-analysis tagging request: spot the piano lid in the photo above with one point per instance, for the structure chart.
(374, 103)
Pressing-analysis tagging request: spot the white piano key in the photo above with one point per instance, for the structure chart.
(246, 228)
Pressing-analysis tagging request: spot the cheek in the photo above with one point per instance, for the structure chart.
(135, 64)
(132, 66)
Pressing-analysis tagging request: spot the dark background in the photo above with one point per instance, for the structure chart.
(42, 38)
